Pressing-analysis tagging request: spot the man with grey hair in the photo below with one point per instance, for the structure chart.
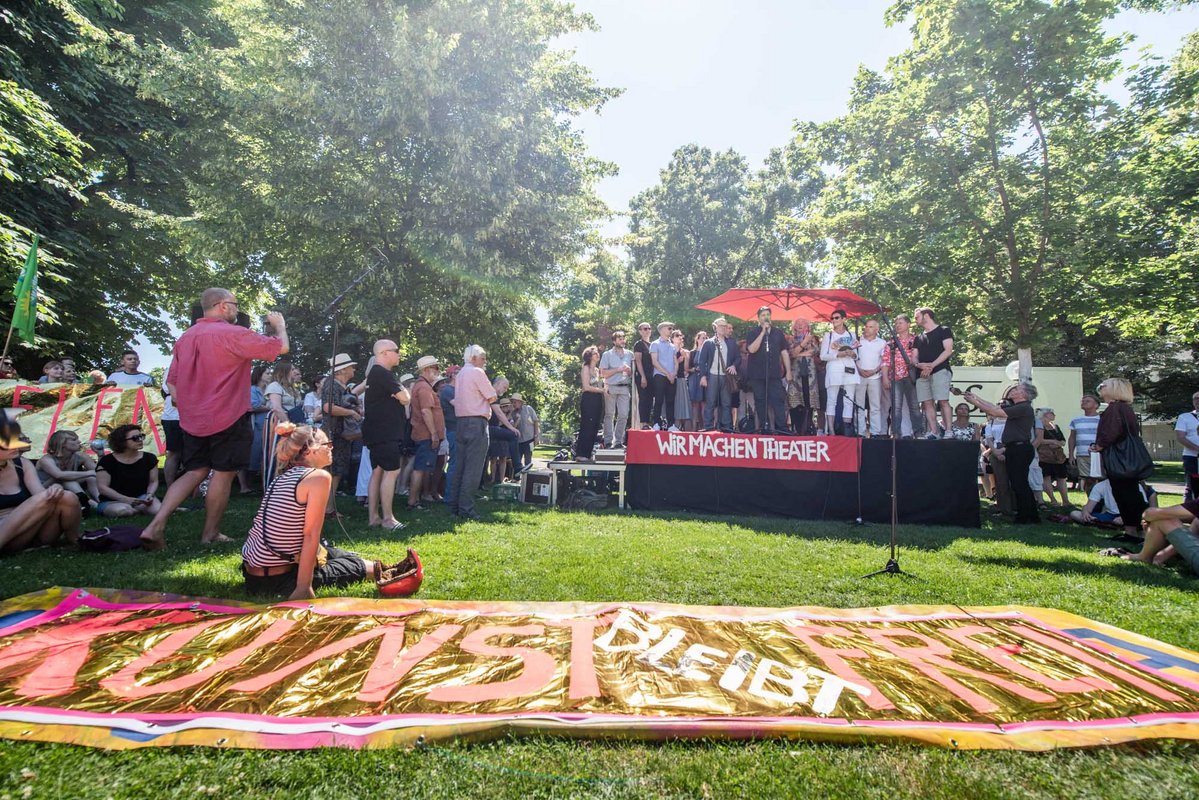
(473, 396)
(718, 359)
(208, 380)
(1018, 451)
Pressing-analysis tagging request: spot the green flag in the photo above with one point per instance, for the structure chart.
(24, 313)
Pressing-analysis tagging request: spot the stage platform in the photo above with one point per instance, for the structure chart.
(827, 478)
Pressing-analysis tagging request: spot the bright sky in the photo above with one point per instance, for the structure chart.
(738, 73)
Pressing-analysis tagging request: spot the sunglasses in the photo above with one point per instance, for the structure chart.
(837, 318)
(137, 437)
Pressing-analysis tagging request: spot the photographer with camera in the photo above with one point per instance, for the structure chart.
(1018, 452)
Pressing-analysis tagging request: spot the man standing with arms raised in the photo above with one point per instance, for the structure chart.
(934, 346)
(473, 397)
(768, 368)
(382, 432)
(210, 376)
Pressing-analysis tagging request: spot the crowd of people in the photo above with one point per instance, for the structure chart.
(771, 380)
(441, 434)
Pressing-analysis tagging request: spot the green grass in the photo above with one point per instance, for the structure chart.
(1168, 472)
(519, 553)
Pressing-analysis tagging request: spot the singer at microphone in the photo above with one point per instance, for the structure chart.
(767, 366)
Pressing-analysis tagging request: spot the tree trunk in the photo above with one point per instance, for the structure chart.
(1024, 356)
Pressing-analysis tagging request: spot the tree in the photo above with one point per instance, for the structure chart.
(957, 172)
(94, 165)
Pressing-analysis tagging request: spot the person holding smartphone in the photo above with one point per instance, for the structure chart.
(127, 477)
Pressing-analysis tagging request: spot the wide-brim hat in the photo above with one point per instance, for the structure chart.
(517, 396)
(407, 377)
(425, 362)
(341, 361)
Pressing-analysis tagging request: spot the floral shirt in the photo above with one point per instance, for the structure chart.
(899, 369)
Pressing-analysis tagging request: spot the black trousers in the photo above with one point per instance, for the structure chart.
(769, 394)
(1129, 501)
(589, 422)
(1019, 456)
(662, 413)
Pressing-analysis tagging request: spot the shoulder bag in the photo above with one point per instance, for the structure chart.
(730, 381)
(1128, 459)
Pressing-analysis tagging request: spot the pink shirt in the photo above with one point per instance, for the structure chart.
(473, 393)
(210, 370)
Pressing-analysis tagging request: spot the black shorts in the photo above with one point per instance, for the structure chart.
(385, 455)
(227, 451)
(1054, 472)
(172, 431)
(341, 569)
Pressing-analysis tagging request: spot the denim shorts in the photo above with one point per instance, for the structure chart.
(426, 456)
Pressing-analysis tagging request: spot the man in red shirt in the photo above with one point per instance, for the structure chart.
(210, 383)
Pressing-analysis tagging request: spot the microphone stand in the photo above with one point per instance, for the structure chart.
(892, 567)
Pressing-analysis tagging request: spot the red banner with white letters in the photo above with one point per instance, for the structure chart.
(715, 449)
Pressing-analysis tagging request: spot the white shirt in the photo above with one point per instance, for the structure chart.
(1188, 423)
(123, 378)
(870, 355)
(1102, 492)
(838, 371)
(721, 356)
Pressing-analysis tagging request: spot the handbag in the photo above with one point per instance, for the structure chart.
(730, 381)
(113, 539)
(1128, 459)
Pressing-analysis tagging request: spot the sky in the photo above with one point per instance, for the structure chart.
(738, 73)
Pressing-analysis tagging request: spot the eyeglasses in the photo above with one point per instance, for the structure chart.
(646, 328)
(137, 437)
(837, 317)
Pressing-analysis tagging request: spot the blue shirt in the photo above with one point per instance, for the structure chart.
(446, 396)
(665, 352)
(1084, 428)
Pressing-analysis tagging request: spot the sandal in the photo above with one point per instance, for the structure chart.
(1115, 552)
(415, 507)
(395, 525)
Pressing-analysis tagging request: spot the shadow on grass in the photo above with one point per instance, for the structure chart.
(1133, 572)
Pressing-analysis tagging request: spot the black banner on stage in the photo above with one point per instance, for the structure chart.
(938, 485)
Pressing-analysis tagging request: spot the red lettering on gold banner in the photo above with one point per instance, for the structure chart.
(583, 681)
(260, 682)
(16, 396)
(62, 401)
(393, 662)
(61, 651)
(124, 682)
(101, 407)
(930, 658)
(141, 406)
(1002, 657)
(537, 672)
(834, 659)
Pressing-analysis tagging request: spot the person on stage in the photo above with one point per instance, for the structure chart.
(934, 346)
(841, 370)
(1018, 451)
(769, 370)
(896, 374)
(663, 356)
(719, 359)
(616, 368)
(591, 404)
(868, 394)
(802, 348)
(643, 375)
(682, 396)
(209, 379)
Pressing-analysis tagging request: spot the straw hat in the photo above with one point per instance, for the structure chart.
(426, 361)
(341, 361)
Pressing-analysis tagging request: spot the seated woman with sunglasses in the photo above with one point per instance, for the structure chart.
(128, 477)
(30, 515)
(284, 554)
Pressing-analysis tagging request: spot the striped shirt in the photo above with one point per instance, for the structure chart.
(1084, 429)
(286, 515)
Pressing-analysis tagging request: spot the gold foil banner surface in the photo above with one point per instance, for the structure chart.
(121, 669)
(89, 410)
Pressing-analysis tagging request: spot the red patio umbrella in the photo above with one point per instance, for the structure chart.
(790, 303)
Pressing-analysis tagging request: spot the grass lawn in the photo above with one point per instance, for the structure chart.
(519, 553)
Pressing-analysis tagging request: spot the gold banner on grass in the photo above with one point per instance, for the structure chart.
(124, 670)
(85, 408)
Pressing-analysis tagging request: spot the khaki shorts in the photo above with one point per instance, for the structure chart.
(1084, 467)
(935, 387)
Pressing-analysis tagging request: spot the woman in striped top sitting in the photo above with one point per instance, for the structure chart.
(284, 554)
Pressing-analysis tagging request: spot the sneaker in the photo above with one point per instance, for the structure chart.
(932, 437)
(673, 429)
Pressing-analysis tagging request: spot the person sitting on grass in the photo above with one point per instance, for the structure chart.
(64, 465)
(30, 515)
(283, 554)
(128, 477)
(1168, 532)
